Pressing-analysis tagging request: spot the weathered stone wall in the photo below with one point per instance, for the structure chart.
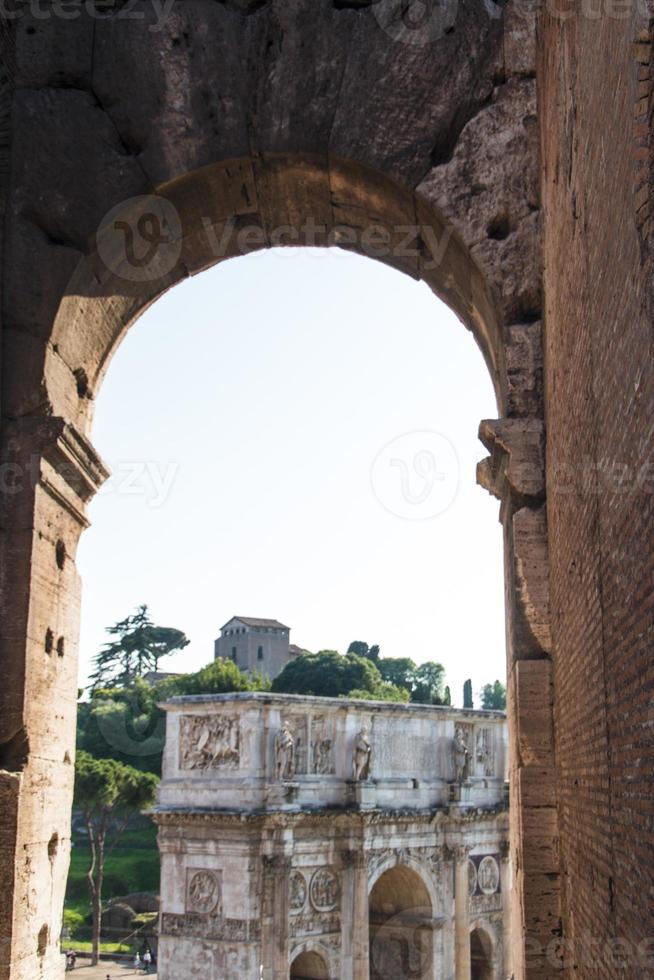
(595, 83)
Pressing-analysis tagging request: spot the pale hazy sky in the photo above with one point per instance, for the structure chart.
(294, 435)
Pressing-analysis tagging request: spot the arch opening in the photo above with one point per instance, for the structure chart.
(148, 244)
(309, 965)
(401, 926)
(410, 929)
(481, 956)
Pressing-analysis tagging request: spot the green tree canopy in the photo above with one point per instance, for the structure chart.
(329, 674)
(447, 696)
(467, 694)
(400, 671)
(218, 677)
(137, 648)
(361, 649)
(424, 682)
(493, 696)
(384, 692)
(123, 723)
(108, 793)
(428, 684)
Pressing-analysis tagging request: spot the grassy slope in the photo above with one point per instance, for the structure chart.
(132, 867)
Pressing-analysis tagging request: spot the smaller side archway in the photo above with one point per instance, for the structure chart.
(481, 956)
(309, 965)
(401, 926)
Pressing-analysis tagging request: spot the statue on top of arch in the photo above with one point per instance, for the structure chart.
(284, 753)
(361, 756)
(460, 755)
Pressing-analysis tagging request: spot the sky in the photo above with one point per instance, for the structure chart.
(293, 435)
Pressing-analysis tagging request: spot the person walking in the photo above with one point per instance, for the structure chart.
(137, 960)
(147, 960)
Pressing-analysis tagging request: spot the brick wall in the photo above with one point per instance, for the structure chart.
(600, 404)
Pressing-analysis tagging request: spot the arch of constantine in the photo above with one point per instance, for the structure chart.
(311, 837)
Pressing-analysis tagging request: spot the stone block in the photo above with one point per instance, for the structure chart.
(536, 786)
(517, 463)
(531, 687)
(532, 573)
(524, 370)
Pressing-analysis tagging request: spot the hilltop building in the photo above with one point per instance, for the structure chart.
(261, 645)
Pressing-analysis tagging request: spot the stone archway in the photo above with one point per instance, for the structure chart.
(309, 965)
(234, 137)
(481, 956)
(401, 926)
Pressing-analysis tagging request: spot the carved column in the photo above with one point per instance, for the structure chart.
(274, 927)
(355, 925)
(461, 913)
(347, 914)
(48, 473)
(505, 887)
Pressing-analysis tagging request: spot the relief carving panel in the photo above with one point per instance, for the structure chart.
(297, 726)
(297, 889)
(203, 890)
(489, 875)
(484, 751)
(324, 890)
(485, 871)
(472, 877)
(310, 923)
(195, 926)
(209, 742)
(482, 904)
